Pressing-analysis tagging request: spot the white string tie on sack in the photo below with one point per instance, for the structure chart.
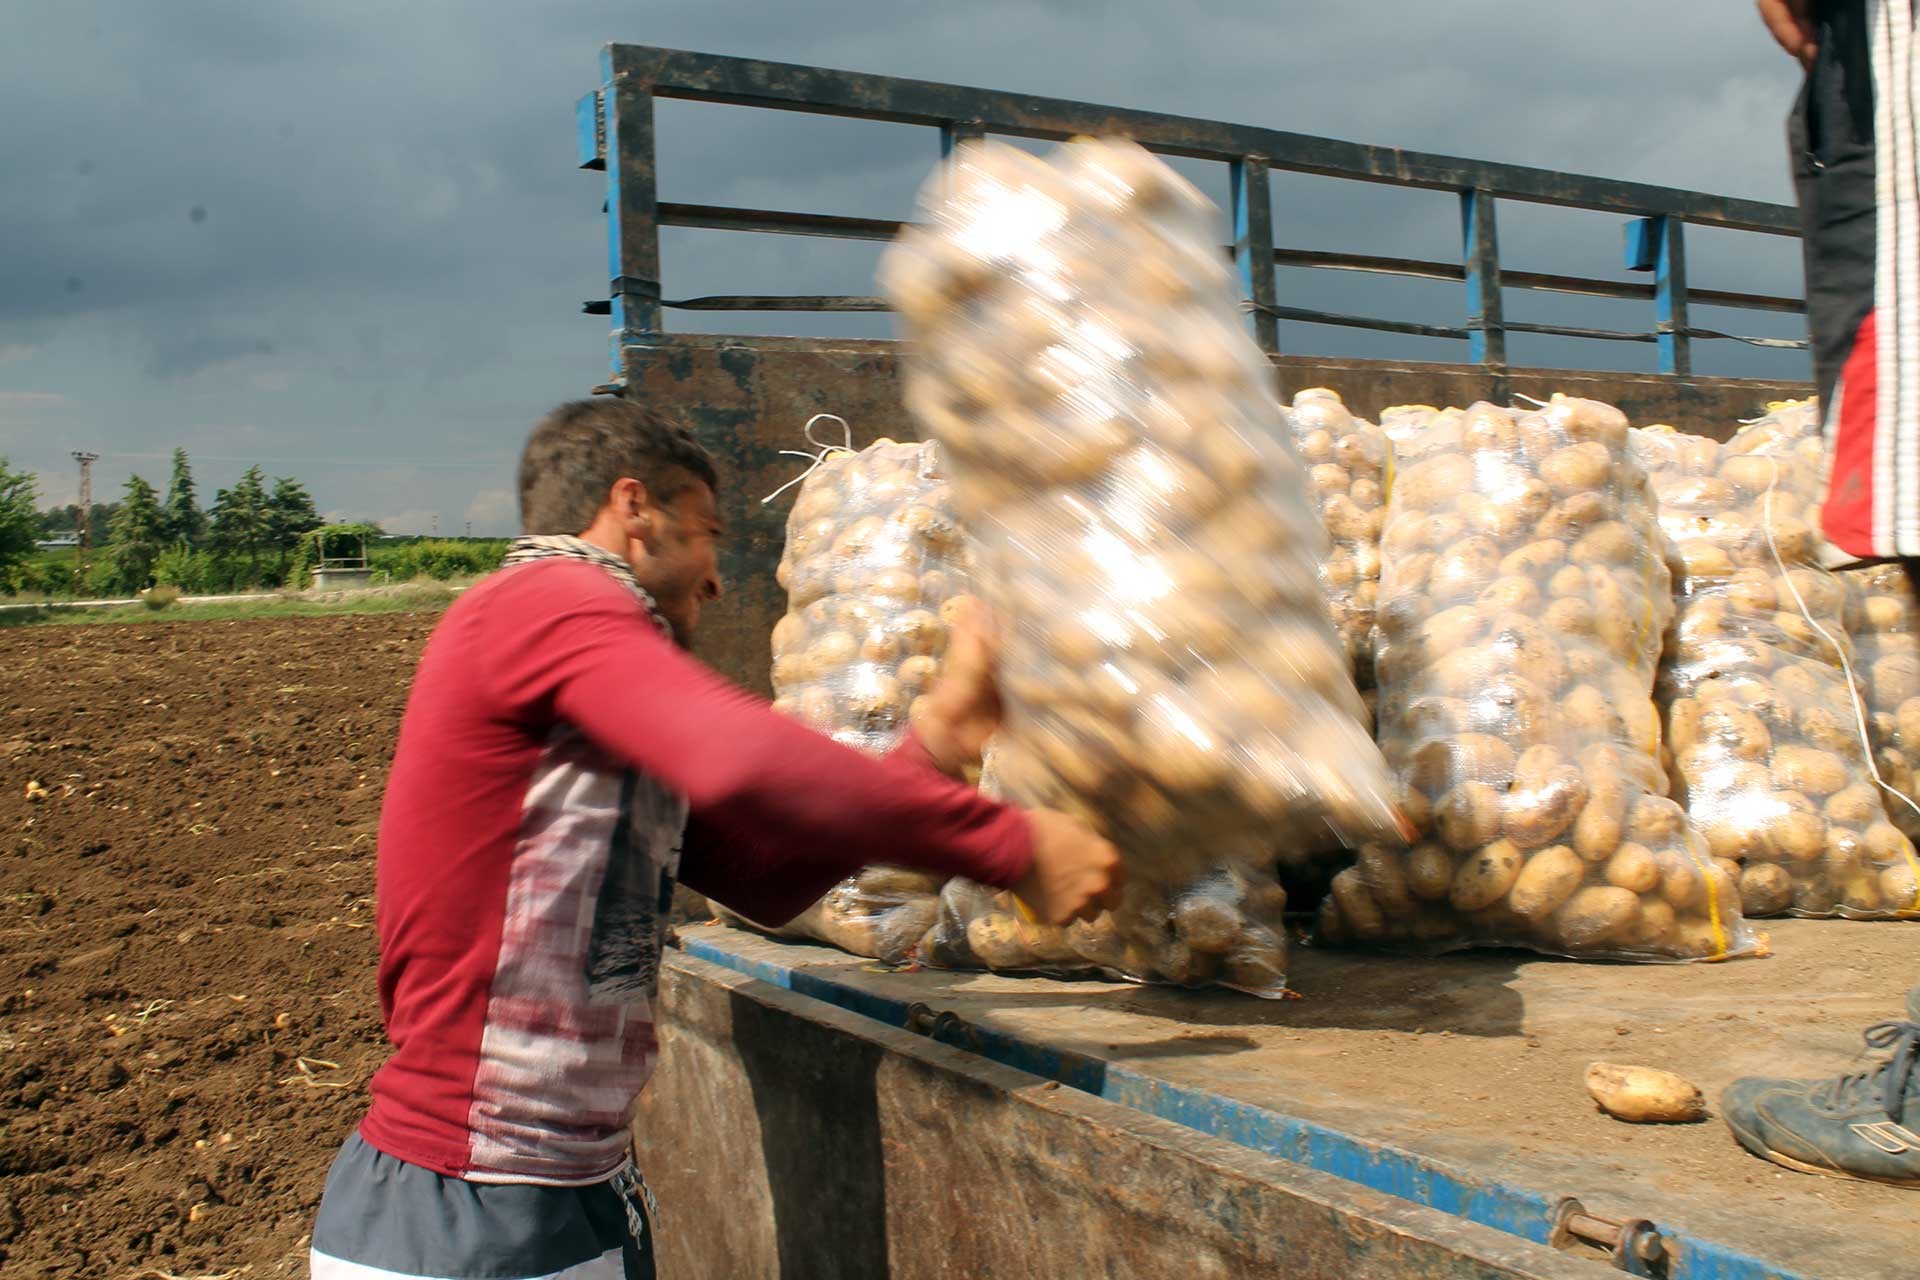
(1839, 649)
(821, 451)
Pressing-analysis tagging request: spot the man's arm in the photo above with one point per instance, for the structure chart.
(1791, 24)
(783, 812)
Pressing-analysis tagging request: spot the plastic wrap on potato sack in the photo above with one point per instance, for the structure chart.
(1769, 745)
(1523, 597)
(1143, 526)
(873, 555)
(1883, 626)
(1222, 927)
(1348, 469)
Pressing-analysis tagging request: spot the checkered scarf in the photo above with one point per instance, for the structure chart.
(546, 546)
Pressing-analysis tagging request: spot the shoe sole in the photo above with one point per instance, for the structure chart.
(1765, 1152)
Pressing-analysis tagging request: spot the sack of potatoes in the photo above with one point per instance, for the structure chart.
(1883, 626)
(873, 559)
(1523, 598)
(1142, 524)
(1347, 473)
(1221, 928)
(1763, 728)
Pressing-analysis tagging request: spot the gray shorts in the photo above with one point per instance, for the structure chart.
(381, 1217)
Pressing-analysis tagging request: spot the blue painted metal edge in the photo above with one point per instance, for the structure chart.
(1515, 1210)
(589, 132)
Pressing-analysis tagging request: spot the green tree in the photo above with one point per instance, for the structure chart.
(19, 519)
(290, 513)
(137, 536)
(239, 521)
(185, 521)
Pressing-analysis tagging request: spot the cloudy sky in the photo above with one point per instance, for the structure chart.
(347, 241)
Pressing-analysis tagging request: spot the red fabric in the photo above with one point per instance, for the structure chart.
(1847, 517)
(779, 813)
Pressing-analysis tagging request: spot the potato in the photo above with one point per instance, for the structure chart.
(1818, 773)
(1433, 483)
(1540, 811)
(1357, 908)
(1642, 1095)
(1477, 757)
(1895, 678)
(1464, 568)
(1751, 475)
(1597, 830)
(1734, 731)
(1612, 542)
(1595, 915)
(1795, 835)
(1633, 867)
(1765, 889)
(1207, 924)
(997, 941)
(1899, 889)
(1429, 872)
(1387, 881)
(1653, 929)
(1683, 882)
(1469, 816)
(1509, 594)
(1582, 419)
(1485, 876)
(1884, 843)
(1590, 714)
(1579, 468)
(1537, 560)
(1571, 615)
(1547, 880)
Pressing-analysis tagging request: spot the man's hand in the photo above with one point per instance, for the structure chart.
(962, 709)
(1791, 22)
(1075, 874)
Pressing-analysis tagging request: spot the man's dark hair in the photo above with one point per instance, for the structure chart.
(578, 452)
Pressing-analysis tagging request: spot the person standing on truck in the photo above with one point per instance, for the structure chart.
(562, 760)
(1851, 140)
(1856, 168)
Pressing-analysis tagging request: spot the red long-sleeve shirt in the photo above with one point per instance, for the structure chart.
(556, 741)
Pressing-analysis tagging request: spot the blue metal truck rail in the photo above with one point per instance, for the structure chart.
(616, 132)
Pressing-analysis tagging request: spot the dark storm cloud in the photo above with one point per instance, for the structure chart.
(354, 230)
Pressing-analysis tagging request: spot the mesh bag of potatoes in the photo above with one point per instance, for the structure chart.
(1348, 470)
(1883, 626)
(873, 556)
(1222, 927)
(1142, 526)
(1522, 602)
(1767, 746)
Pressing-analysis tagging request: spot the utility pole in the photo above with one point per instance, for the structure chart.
(85, 522)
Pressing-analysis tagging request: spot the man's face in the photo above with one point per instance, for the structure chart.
(679, 565)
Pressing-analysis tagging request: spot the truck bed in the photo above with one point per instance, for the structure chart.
(1455, 1081)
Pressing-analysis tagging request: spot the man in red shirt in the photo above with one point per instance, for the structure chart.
(562, 761)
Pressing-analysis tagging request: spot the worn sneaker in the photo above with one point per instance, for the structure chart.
(1864, 1126)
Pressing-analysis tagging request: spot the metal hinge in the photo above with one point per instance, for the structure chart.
(1634, 1245)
